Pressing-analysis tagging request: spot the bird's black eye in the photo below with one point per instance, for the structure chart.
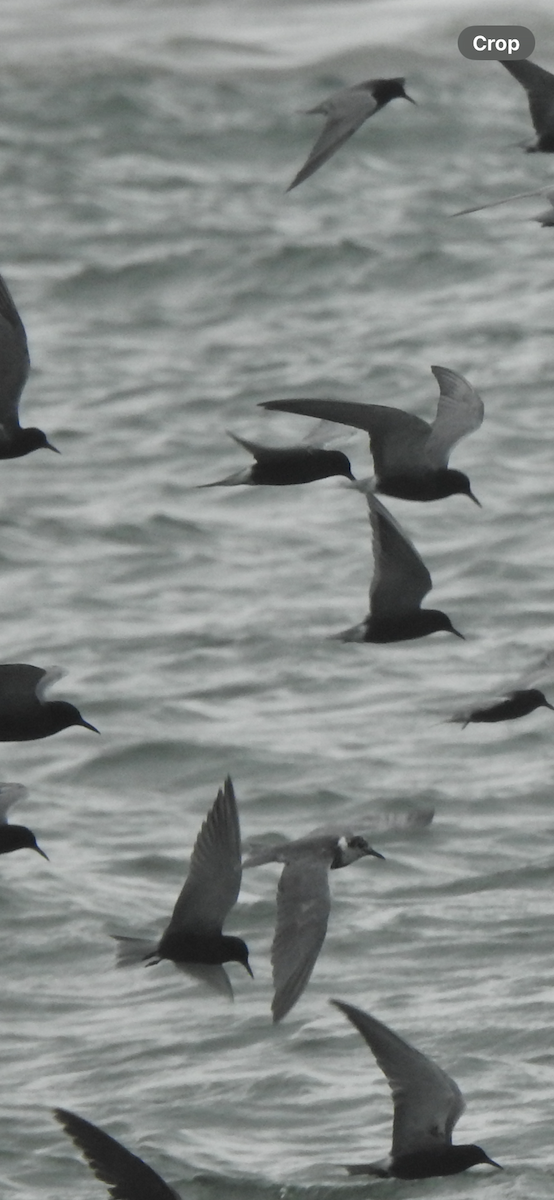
(358, 843)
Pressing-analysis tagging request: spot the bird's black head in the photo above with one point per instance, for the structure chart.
(59, 714)
(18, 837)
(349, 849)
(338, 464)
(437, 621)
(236, 950)
(27, 440)
(472, 1155)
(390, 89)
(538, 699)
(447, 482)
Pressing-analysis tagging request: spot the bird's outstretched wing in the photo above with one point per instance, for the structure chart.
(397, 438)
(344, 112)
(213, 882)
(127, 1177)
(427, 1102)
(539, 85)
(460, 411)
(303, 905)
(400, 577)
(10, 793)
(14, 360)
(544, 191)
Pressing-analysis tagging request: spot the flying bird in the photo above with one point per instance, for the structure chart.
(127, 1176)
(545, 218)
(345, 110)
(14, 837)
(539, 85)
(25, 713)
(304, 904)
(193, 939)
(281, 465)
(400, 582)
(410, 456)
(523, 698)
(427, 1106)
(14, 370)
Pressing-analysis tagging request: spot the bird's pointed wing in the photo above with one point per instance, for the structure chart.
(539, 85)
(396, 437)
(127, 1177)
(213, 882)
(345, 112)
(303, 904)
(50, 676)
(427, 1102)
(14, 360)
(18, 686)
(400, 577)
(10, 793)
(460, 410)
(546, 191)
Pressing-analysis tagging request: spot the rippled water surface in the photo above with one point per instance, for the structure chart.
(168, 285)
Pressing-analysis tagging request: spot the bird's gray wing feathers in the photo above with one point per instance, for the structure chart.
(127, 1177)
(213, 882)
(345, 112)
(460, 410)
(10, 793)
(544, 191)
(303, 904)
(427, 1102)
(539, 85)
(400, 577)
(396, 437)
(18, 686)
(14, 360)
(540, 672)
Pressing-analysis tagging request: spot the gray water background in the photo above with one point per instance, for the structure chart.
(168, 285)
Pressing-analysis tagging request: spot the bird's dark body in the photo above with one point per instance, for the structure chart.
(211, 950)
(435, 485)
(518, 704)
(297, 465)
(36, 720)
(16, 837)
(24, 441)
(416, 624)
(424, 1164)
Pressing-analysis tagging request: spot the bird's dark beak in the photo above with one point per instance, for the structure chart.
(49, 446)
(249, 969)
(374, 853)
(87, 725)
(406, 97)
(39, 851)
(475, 500)
(547, 705)
(457, 633)
(492, 1163)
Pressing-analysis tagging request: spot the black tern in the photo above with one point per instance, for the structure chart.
(539, 85)
(545, 218)
(193, 940)
(303, 905)
(345, 111)
(427, 1105)
(127, 1176)
(282, 465)
(400, 582)
(410, 456)
(521, 699)
(25, 714)
(14, 370)
(14, 837)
